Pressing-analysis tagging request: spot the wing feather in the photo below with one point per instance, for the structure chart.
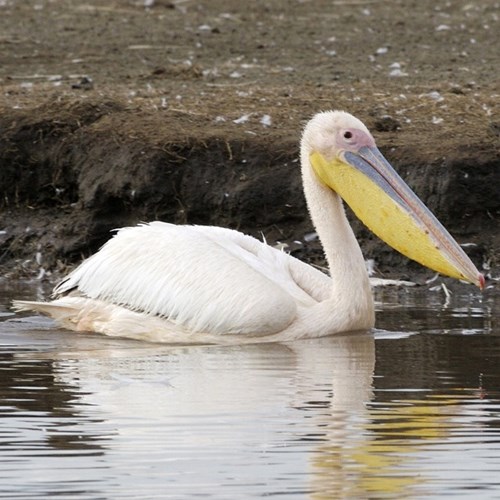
(206, 279)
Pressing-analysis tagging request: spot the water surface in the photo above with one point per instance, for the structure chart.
(411, 410)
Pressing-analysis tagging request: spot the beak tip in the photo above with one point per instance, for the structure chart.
(482, 282)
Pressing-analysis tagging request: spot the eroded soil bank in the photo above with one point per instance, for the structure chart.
(113, 113)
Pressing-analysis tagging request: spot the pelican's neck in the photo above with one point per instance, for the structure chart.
(350, 282)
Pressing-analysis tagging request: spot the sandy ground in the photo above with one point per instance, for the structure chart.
(117, 112)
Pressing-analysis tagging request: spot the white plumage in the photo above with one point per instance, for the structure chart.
(193, 276)
(192, 284)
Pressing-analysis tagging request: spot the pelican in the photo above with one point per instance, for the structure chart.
(201, 284)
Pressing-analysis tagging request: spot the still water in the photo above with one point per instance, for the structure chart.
(411, 410)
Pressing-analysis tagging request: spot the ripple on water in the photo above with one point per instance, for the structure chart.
(409, 411)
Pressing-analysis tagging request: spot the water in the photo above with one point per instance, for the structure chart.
(411, 411)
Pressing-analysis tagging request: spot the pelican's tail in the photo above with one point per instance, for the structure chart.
(58, 311)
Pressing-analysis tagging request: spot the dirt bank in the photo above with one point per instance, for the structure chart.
(112, 113)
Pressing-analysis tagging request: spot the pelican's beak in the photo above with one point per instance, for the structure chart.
(388, 207)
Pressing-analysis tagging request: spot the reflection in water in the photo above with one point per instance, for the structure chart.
(28, 389)
(235, 410)
(351, 416)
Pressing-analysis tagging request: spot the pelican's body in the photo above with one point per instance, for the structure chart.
(194, 284)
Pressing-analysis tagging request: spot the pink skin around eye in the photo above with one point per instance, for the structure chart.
(352, 139)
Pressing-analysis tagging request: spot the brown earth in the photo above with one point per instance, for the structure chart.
(190, 111)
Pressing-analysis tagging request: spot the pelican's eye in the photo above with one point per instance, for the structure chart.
(353, 139)
(347, 138)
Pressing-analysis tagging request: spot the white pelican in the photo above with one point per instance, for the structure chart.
(192, 284)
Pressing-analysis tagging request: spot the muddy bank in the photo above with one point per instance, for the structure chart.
(191, 112)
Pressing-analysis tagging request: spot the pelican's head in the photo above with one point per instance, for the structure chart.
(344, 157)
